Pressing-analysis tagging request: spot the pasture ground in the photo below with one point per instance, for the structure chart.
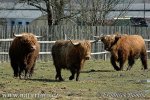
(98, 80)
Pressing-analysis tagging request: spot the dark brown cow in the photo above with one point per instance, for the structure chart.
(125, 47)
(70, 55)
(23, 53)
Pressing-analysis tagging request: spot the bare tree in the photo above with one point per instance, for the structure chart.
(90, 12)
(94, 12)
(54, 9)
(43, 5)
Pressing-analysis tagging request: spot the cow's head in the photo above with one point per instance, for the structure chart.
(27, 41)
(29, 44)
(109, 41)
(84, 48)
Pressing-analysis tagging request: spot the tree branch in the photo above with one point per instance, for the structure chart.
(65, 17)
(39, 7)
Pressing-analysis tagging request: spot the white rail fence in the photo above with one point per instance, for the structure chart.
(57, 32)
(104, 53)
(48, 42)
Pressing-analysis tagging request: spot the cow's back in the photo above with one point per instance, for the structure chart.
(59, 53)
(133, 44)
(133, 41)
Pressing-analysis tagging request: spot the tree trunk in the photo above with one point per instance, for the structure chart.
(49, 14)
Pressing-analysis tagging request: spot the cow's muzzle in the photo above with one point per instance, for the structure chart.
(33, 48)
(87, 57)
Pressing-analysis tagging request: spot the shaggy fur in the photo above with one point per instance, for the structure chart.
(66, 55)
(125, 47)
(23, 53)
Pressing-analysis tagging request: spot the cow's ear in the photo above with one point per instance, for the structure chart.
(102, 38)
(117, 38)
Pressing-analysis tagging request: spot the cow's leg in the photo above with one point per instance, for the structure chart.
(122, 58)
(121, 62)
(78, 73)
(31, 71)
(26, 72)
(22, 66)
(113, 62)
(15, 68)
(72, 73)
(58, 74)
(20, 71)
(130, 62)
(144, 60)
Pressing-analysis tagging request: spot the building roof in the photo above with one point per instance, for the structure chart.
(22, 10)
(134, 10)
(18, 10)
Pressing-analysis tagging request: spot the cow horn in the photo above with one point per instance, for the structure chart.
(38, 36)
(75, 44)
(97, 38)
(94, 41)
(17, 35)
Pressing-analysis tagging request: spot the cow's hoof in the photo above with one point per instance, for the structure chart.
(15, 75)
(146, 70)
(118, 69)
(77, 79)
(21, 77)
(61, 79)
(71, 78)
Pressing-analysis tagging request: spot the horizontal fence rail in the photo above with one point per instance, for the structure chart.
(96, 53)
(74, 32)
(52, 42)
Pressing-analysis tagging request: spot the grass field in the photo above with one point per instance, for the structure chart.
(98, 80)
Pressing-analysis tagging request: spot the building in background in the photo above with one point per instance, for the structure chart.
(12, 14)
(137, 14)
(137, 10)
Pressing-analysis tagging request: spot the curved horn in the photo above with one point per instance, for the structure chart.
(38, 36)
(94, 41)
(17, 35)
(75, 44)
(99, 37)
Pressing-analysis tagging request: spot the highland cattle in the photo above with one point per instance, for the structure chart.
(23, 53)
(125, 47)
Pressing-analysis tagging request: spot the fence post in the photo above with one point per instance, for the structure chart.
(105, 56)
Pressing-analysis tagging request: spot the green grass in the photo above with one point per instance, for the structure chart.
(98, 80)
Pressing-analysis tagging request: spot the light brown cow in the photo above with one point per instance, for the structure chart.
(125, 47)
(70, 55)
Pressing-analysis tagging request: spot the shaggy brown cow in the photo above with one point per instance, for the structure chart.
(23, 53)
(123, 47)
(70, 55)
